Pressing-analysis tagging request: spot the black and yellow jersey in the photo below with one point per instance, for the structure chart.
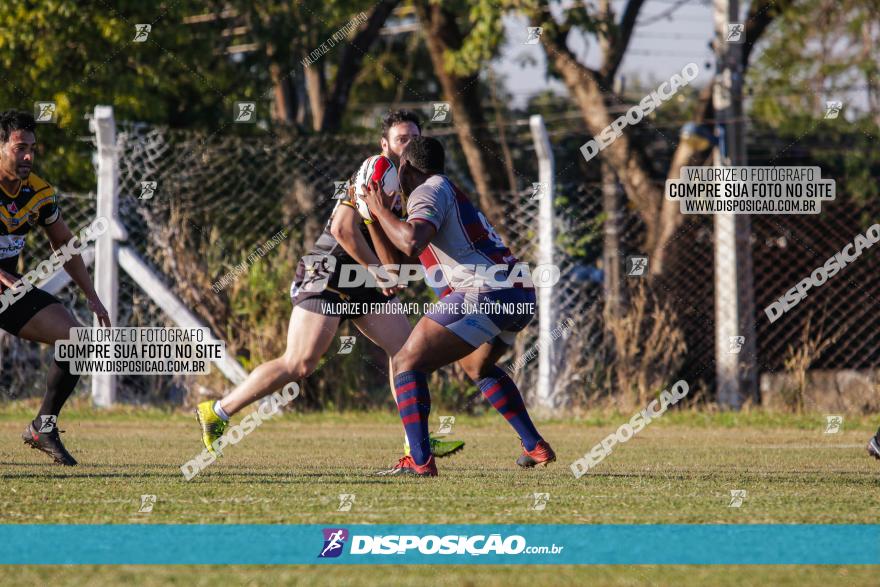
(34, 204)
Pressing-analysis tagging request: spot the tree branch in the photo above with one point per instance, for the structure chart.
(620, 41)
(350, 64)
(761, 14)
(478, 144)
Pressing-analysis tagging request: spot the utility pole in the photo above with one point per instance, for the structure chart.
(735, 357)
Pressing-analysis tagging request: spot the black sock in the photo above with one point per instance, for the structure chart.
(60, 383)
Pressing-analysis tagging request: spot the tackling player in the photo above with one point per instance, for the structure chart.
(349, 237)
(27, 201)
(445, 229)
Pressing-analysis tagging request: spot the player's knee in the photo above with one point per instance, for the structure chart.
(472, 371)
(297, 368)
(393, 347)
(487, 370)
(403, 361)
(309, 364)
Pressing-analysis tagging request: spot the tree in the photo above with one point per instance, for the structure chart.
(591, 92)
(197, 60)
(825, 51)
(61, 51)
(314, 51)
(461, 37)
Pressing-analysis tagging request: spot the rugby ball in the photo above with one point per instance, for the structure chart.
(381, 170)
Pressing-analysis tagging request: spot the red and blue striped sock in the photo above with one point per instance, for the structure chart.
(505, 397)
(414, 405)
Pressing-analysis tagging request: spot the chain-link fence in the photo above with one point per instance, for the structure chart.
(220, 196)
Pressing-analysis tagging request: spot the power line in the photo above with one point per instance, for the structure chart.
(665, 14)
(653, 53)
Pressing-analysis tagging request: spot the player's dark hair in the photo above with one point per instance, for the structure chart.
(13, 120)
(396, 117)
(425, 154)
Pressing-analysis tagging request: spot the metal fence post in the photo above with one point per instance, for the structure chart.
(103, 125)
(547, 353)
(736, 373)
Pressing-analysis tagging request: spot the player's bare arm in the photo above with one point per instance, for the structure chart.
(59, 234)
(344, 228)
(410, 237)
(388, 254)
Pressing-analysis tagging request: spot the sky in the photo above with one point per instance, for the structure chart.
(657, 49)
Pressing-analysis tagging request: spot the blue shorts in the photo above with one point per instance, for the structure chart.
(483, 317)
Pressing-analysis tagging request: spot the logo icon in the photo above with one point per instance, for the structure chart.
(736, 344)
(441, 112)
(340, 190)
(534, 35)
(148, 189)
(334, 540)
(44, 112)
(539, 501)
(47, 424)
(319, 269)
(346, 345)
(832, 109)
(833, 424)
(346, 500)
(735, 32)
(12, 208)
(446, 424)
(245, 112)
(737, 496)
(141, 32)
(636, 265)
(539, 190)
(147, 503)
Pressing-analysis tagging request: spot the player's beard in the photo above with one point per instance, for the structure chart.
(394, 159)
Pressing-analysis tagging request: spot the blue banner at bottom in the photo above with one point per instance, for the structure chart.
(661, 544)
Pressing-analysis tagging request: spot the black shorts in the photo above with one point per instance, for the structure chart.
(19, 312)
(319, 292)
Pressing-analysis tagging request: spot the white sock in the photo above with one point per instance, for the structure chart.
(220, 412)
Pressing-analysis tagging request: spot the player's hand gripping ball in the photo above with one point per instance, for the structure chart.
(381, 170)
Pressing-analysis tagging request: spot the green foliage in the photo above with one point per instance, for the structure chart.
(483, 31)
(817, 50)
(584, 244)
(820, 51)
(261, 306)
(80, 53)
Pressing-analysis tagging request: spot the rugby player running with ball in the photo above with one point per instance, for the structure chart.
(320, 304)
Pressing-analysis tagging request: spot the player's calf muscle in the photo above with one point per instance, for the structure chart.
(475, 372)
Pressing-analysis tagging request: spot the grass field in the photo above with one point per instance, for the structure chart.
(680, 469)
